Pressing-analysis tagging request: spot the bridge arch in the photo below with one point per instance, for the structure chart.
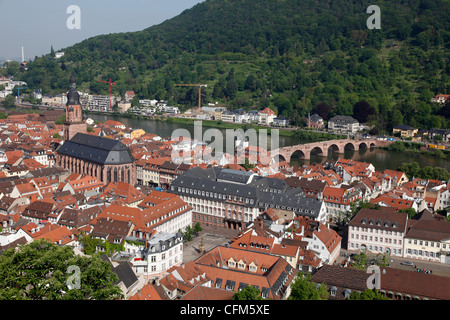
(349, 146)
(362, 145)
(304, 150)
(316, 151)
(334, 148)
(279, 157)
(298, 154)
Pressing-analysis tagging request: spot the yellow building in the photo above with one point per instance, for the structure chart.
(405, 131)
(137, 133)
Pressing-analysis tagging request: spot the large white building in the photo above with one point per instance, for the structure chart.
(232, 198)
(162, 252)
(343, 124)
(266, 116)
(101, 103)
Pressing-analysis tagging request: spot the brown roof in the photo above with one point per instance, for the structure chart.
(207, 293)
(342, 278)
(415, 284)
(369, 218)
(432, 230)
(150, 292)
(272, 272)
(40, 206)
(111, 229)
(312, 184)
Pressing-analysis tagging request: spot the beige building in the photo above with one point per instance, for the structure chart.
(218, 114)
(123, 106)
(405, 131)
(428, 239)
(150, 171)
(378, 231)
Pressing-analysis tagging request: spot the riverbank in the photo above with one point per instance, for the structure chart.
(417, 148)
(299, 133)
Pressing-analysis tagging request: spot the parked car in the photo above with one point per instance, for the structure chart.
(407, 263)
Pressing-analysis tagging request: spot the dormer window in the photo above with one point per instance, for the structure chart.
(333, 290)
(347, 293)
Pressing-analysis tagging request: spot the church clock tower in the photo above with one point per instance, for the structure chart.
(74, 118)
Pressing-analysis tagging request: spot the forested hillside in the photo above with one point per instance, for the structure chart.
(295, 56)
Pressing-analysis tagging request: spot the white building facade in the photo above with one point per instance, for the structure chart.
(377, 231)
(162, 252)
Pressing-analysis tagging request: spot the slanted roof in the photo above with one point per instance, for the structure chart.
(96, 149)
(123, 271)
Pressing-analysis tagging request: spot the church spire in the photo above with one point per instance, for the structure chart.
(73, 98)
(74, 115)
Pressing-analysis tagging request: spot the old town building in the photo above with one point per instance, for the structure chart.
(108, 160)
(231, 198)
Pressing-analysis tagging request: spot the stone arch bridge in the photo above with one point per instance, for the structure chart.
(321, 148)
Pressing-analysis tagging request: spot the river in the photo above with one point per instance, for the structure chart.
(381, 159)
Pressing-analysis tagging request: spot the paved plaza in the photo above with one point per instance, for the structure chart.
(212, 237)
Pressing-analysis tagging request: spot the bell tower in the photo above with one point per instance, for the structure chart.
(74, 117)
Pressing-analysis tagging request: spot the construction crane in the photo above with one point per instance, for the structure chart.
(199, 85)
(18, 92)
(110, 84)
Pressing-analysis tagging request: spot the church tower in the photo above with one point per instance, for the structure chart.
(74, 117)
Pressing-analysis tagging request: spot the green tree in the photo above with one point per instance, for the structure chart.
(89, 244)
(247, 165)
(368, 294)
(248, 293)
(231, 89)
(39, 271)
(359, 261)
(197, 227)
(396, 118)
(362, 110)
(9, 101)
(411, 169)
(302, 288)
(188, 233)
(410, 211)
(250, 83)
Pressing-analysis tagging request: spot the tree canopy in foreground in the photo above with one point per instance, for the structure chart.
(42, 270)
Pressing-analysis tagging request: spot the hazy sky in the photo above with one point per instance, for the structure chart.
(38, 24)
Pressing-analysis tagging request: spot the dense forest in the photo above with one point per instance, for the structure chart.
(294, 56)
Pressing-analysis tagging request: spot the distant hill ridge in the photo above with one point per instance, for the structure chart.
(289, 55)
